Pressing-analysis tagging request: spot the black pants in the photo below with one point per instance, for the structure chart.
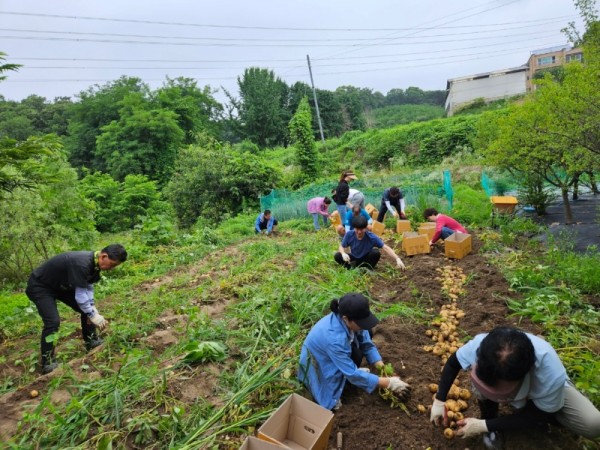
(383, 209)
(370, 260)
(45, 302)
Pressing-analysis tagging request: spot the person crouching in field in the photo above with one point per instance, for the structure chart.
(364, 247)
(265, 223)
(335, 348)
(445, 226)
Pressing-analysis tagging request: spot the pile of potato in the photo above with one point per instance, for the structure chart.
(453, 280)
(445, 335)
(456, 402)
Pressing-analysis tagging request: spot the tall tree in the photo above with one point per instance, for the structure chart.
(302, 136)
(263, 107)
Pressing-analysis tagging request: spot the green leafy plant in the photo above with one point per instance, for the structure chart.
(201, 352)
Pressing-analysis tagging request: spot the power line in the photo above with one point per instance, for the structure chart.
(244, 27)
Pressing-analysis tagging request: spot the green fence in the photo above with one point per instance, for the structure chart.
(287, 204)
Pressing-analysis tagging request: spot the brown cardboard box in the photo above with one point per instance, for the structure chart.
(252, 443)
(374, 214)
(402, 226)
(378, 228)
(504, 204)
(414, 243)
(370, 208)
(334, 218)
(427, 228)
(458, 245)
(298, 424)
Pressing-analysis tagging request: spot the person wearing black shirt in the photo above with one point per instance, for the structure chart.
(69, 277)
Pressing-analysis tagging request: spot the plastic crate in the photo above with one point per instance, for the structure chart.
(504, 204)
(414, 243)
(458, 245)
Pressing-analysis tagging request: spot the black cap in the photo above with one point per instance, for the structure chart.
(356, 308)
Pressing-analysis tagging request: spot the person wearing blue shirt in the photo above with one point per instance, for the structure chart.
(392, 200)
(334, 349)
(364, 247)
(355, 211)
(265, 223)
(512, 367)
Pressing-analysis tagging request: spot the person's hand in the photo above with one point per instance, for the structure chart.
(471, 427)
(400, 264)
(346, 257)
(267, 233)
(402, 215)
(431, 243)
(439, 413)
(396, 214)
(397, 385)
(98, 321)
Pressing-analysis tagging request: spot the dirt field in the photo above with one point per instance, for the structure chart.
(366, 420)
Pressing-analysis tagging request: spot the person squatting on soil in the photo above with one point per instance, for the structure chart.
(444, 225)
(364, 247)
(342, 192)
(69, 277)
(510, 366)
(392, 200)
(335, 348)
(319, 206)
(351, 214)
(265, 223)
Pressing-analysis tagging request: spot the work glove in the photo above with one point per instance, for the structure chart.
(398, 386)
(395, 214)
(400, 264)
(439, 413)
(98, 320)
(402, 216)
(364, 369)
(471, 427)
(346, 257)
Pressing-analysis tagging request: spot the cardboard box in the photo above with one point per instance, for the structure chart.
(414, 243)
(252, 443)
(458, 245)
(334, 218)
(504, 204)
(374, 214)
(427, 228)
(370, 208)
(378, 228)
(402, 226)
(298, 424)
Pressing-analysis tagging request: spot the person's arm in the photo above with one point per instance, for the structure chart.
(257, 224)
(270, 224)
(85, 302)
(528, 417)
(386, 248)
(438, 232)
(390, 208)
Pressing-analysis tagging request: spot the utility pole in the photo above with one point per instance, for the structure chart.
(315, 97)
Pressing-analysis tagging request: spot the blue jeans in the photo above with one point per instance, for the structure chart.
(342, 209)
(446, 232)
(316, 220)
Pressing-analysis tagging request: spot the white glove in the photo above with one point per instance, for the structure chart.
(346, 257)
(438, 411)
(364, 369)
(396, 214)
(400, 264)
(397, 385)
(471, 427)
(98, 320)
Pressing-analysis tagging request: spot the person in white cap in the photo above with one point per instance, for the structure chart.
(510, 366)
(335, 348)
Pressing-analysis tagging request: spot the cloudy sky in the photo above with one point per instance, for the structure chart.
(65, 46)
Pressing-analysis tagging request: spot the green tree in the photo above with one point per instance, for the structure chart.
(302, 136)
(262, 107)
(212, 180)
(142, 141)
(6, 67)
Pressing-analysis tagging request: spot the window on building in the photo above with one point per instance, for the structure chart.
(545, 60)
(575, 57)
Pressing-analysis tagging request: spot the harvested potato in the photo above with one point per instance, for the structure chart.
(34, 393)
(465, 394)
(448, 433)
(433, 387)
(458, 416)
(421, 408)
(462, 405)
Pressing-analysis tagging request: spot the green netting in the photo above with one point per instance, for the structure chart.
(448, 188)
(286, 204)
(499, 186)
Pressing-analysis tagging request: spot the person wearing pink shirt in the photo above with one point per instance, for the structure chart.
(444, 225)
(319, 206)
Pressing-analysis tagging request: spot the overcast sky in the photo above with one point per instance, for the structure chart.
(65, 46)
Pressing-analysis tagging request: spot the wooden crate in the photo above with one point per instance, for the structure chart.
(414, 243)
(378, 228)
(504, 204)
(458, 245)
(427, 228)
(402, 226)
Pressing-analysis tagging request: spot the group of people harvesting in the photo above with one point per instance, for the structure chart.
(506, 366)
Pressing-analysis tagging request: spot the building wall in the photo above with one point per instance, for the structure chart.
(493, 86)
(545, 60)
